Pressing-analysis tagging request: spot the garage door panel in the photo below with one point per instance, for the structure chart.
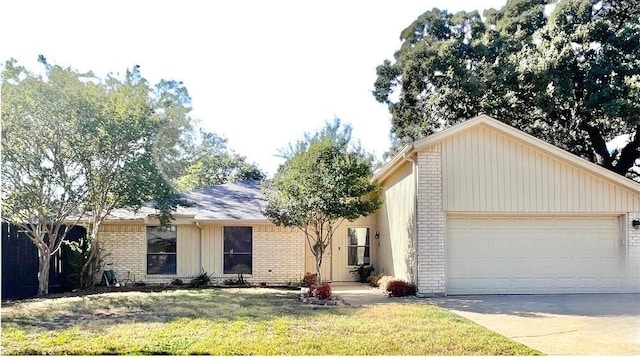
(522, 255)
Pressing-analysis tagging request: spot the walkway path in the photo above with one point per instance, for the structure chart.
(358, 294)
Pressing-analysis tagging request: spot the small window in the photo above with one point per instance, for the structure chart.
(161, 250)
(359, 250)
(238, 250)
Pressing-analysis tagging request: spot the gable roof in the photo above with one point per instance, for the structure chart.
(485, 120)
(231, 201)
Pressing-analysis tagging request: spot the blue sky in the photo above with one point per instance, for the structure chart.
(260, 73)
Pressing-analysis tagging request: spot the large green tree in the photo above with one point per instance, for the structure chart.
(325, 180)
(566, 72)
(140, 136)
(43, 182)
(75, 145)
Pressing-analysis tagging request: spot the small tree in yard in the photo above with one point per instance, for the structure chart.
(324, 181)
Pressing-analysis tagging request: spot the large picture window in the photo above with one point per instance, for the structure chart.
(359, 250)
(161, 250)
(238, 250)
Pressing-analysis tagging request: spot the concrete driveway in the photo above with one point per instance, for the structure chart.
(580, 324)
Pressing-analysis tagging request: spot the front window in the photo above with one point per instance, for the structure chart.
(358, 246)
(161, 250)
(237, 250)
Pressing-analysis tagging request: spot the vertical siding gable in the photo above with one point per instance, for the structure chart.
(486, 171)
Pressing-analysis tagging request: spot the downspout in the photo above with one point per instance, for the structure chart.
(197, 223)
(414, 172)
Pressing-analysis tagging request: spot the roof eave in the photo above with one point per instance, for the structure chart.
(391, 166)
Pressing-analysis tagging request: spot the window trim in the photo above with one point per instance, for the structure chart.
(350, 245)
(251, 253)
(146, 232)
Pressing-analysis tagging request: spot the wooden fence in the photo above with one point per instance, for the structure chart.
(20, 264)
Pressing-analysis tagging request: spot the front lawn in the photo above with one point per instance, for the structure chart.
(239, 321)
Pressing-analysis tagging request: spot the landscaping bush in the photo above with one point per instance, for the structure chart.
(176, 282)
(322, 291)
(236, 281)
(239, 281)
(382, 282)
(293, 284)
(363, 272)
(201, 280)
(373, 279)
(412, 290)
(400, 288)
(309, 280)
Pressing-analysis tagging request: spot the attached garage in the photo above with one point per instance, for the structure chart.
(532, 255)
(498, 211)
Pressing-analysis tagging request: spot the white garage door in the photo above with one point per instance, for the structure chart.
(516, 255)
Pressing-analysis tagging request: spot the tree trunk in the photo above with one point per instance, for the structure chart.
(319, 269)
(43, 270)
(628, 154)
(88, 272)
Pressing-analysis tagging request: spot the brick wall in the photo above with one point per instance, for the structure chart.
(633, 254)
(431, 276)
(278, 254)
(125, 247)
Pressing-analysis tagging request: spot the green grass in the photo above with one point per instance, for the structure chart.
(239, 321)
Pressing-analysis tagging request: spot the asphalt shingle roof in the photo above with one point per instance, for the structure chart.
(231, 201)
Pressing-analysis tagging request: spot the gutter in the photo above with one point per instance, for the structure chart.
(197, 223)
(388, 169)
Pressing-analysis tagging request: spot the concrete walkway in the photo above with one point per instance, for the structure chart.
(359, 294)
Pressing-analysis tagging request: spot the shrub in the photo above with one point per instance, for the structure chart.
(232, 281)
(293, 284)
(363, 272)
(201, 280)
(176, 282)
(399, 288)
(309, 280)
(322, 291)
(411, 289)
(373, 279)
(383, 281)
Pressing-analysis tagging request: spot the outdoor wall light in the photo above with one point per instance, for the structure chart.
(378, 232)
(635, 223)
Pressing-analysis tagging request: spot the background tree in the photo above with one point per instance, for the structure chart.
(325, 180)
(570, 78)
(213, 163)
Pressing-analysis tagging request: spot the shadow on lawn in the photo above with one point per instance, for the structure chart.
(95, 312)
